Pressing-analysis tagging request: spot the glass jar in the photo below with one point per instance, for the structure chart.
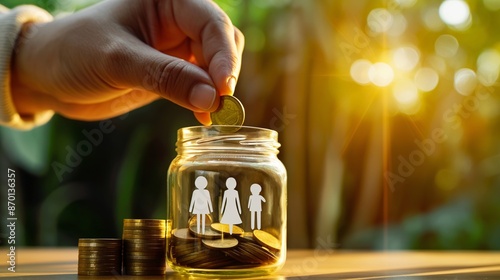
(226, 202)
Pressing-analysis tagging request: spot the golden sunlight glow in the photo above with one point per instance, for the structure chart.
(410, 109)
(406, 94)
(405, 91)
(381, 74)
(446, 45)
(488, 67)
(465, 81)
(406, 58)
(359, 71)
(455, 13)
(426, 79)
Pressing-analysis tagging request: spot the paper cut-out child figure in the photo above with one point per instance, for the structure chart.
(201, 203)
(231, 207)
(255, 204)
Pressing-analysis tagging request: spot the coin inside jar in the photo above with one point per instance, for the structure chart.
(206, 232)
(227, 229)
(266, 239)
(221, 243)
(230, 112)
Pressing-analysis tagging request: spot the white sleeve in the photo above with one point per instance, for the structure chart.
(11, 22)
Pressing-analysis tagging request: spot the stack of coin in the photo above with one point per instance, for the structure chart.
(99, 256)
(144, 247)
(215, 248)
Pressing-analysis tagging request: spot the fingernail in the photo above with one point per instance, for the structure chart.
(231, 83)
(202, 96)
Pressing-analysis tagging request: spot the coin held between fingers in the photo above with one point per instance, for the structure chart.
(230, 112)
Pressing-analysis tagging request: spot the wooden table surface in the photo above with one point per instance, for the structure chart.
(57, 263)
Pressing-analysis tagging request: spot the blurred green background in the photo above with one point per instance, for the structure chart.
(388, 114)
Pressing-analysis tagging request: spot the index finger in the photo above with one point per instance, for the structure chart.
(221, 43)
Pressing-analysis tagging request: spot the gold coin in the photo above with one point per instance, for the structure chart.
(230, 112)
(225, 243)
(183, 234)
(114, 252)
(252, 253)
(96, 256)
(208, 233)
(129, 236)
(224, 228)
(147, 221)
(147, 265)
(145, 231)
(142, 241)
(266, 239)
(141, 223)
(99, 242)
(142, 247)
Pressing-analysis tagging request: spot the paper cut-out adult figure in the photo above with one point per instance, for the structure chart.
(231, 207)
(255, 205)
(201, 203)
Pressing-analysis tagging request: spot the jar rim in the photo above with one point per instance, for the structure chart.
(228, 127)
(228, 138)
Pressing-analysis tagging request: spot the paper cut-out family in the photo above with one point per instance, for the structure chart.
(201, 204)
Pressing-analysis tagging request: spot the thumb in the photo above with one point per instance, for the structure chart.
(175, 79)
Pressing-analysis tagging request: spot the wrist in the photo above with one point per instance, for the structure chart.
(11, 26)
(23, 92)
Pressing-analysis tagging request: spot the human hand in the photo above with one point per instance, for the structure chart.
(119, 55)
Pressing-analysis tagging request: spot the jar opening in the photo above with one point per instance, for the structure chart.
(227, 138)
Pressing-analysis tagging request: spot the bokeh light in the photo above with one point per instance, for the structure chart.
(359, 71)
(405, 91)
(426, 79)
(379, 20)
(406, 58)
(465, 81)
(405, 3)
(488, 67)
(446, 46)
(455, 13)
(381, 74)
